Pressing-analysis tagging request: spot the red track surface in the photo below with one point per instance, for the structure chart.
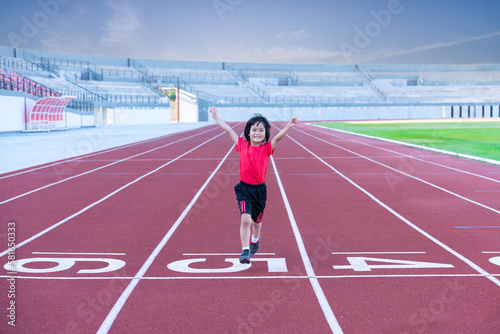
(363, 237)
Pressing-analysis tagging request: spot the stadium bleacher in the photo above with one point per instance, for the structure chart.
(13, 81)
(138, 82)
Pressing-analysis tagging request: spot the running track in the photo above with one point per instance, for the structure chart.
(359, 236)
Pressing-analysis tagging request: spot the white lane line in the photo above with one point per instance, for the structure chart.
(399, 153)
(409, 275)
(98, 168)
(323, 302)
(406, 174)
(104, 198)
(415, 227)
(75, 159)
(64, 253)
(110, 318)
(491, 252)
(224, 254)
(379, 253)
(166, 278)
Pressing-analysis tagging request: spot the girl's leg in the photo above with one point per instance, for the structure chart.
(246, 222)
(256, 229)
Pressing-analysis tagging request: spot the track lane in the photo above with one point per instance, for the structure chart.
(437, 175)
(356, 225)
(443, 217)
(412, 196)
(244, 301)
(484, 170)
(132, 222)
(44, 178)
(70, 199)
(405, 304)
(421, 163)
(76, 151)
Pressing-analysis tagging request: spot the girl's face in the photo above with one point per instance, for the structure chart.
(257, 134)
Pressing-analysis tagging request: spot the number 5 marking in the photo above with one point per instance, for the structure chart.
(274, 265)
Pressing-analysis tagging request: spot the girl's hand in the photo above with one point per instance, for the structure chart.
(213, 111)
(294, 121)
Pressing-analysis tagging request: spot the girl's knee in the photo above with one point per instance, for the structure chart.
(246, 220)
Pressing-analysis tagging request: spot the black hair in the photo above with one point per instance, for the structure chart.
(258, 118)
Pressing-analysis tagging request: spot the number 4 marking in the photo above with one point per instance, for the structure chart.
(359, 263)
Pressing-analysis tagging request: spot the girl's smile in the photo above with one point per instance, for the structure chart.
(257, 134)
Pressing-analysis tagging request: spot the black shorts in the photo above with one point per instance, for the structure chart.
(251, 199)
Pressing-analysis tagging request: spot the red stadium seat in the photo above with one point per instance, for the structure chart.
(10, 80)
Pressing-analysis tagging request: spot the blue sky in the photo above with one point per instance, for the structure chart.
(280, 31)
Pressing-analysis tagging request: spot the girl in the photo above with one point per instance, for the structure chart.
(251, 192)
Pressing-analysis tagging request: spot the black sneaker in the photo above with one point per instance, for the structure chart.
(254, 247)
(245, 256)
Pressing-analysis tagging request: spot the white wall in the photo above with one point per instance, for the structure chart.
(330, 113)
(142, 116)
(12, 112)
(188, 107)
(74, 120)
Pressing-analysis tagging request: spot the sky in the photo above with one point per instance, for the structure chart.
(260, 31)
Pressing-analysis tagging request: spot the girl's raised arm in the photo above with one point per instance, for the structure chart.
(283, 132)
(223, 125)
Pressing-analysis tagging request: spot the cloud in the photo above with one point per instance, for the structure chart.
(294, 35)
(123, 26)
(298, 55)
(292, 46)
(176, 53)
(294, 53)
(59, 40)
(274, 54)
(395, 52)
(60, 34)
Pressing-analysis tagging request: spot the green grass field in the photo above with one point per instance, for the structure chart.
(480, 139)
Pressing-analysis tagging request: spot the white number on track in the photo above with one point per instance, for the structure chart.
(274, 265)
(360, 263)
(63, 264)
(495, 260)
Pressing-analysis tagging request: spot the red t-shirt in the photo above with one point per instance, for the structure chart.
(253, 161)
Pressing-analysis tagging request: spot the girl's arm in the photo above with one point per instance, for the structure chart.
(283, 132)
(223, 125)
